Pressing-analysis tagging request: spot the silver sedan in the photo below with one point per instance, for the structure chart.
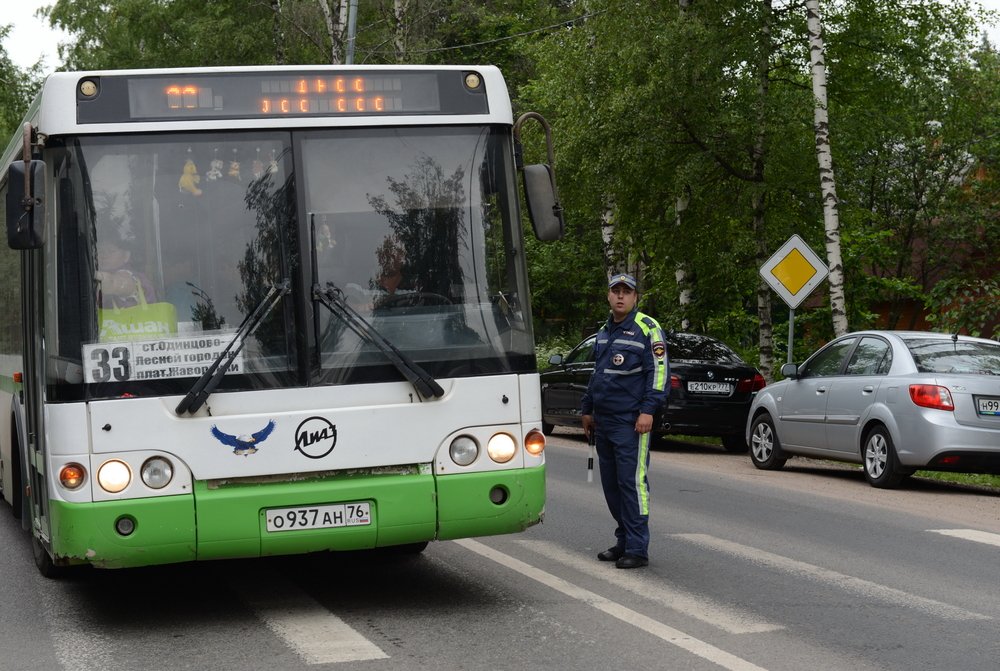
(894, 401)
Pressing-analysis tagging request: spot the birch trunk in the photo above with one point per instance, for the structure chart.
(758, 200)
(681, 273)
(279, 33)
(399, 10)
(334, 27)
(827, 183)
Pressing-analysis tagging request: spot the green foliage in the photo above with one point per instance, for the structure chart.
(18, 89)
(559, 344)
(651, 104)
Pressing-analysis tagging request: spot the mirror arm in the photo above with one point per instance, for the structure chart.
(26, 202)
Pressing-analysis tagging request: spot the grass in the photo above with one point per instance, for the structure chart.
(991, 482)
(976, 479)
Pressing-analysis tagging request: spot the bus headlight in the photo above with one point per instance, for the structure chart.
(71, 476)
(501, 448)
(157, 472)
(463, 450)
(114, 476)
(534, 442)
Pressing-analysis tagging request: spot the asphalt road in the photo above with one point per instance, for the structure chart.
(806, 568)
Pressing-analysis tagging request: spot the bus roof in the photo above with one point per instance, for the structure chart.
(261, 97)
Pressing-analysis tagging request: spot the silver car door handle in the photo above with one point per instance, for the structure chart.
(820, 390)
(867, 389)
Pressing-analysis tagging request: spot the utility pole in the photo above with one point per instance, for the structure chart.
(352, 22)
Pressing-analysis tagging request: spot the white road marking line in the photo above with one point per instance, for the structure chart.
(848, 583)
(78, 643)
(970, 535)
(312, 631)
(727, 618)
(627, 615)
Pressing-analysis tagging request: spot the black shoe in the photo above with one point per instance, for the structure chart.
(631, 561)
(611, 554)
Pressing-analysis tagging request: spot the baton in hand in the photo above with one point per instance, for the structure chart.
(592, 440)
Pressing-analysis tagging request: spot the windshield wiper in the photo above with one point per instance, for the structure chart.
(210, 379)
(333, 300)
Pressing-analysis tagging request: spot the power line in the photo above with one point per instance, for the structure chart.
(508, 37)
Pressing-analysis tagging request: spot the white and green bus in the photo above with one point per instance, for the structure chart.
(268, 310)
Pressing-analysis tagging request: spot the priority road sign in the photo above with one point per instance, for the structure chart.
(794, 271)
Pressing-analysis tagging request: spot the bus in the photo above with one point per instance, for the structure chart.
(269, 310)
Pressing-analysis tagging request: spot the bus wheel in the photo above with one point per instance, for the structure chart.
(409, 548)
(43, 560)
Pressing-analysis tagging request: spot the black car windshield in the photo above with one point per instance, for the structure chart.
(954, 356)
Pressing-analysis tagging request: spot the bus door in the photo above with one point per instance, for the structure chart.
(32, 281)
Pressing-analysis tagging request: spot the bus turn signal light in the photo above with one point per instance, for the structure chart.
(534, 442)
(71, 476)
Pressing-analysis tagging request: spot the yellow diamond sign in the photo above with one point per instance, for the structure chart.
(794, 271)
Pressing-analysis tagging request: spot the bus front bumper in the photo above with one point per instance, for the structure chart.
(228, 521)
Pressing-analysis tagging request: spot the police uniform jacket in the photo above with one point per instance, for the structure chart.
(631, 368)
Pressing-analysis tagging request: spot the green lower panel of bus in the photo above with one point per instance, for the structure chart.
(230, 521)
(491, 503)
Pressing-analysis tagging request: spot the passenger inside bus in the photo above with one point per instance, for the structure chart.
(121, 284)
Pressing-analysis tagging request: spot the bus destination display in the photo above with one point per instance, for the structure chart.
(279, 95)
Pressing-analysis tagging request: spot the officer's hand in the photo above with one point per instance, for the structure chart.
(644, 424)
(588, 424)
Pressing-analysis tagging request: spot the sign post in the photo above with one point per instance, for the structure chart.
(793, 271)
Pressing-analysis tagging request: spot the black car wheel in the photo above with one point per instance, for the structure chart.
(734, 443)
(882, 467)
(765, 449)
(547, 428)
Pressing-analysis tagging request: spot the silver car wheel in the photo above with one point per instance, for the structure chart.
(876, 455)
(762, 441)
(765, 448)
(882, 467)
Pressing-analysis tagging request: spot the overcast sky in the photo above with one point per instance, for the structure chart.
(31, 38)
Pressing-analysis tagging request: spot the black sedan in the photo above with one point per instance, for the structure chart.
(711, 389)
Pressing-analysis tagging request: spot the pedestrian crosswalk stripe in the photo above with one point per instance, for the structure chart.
(662, 631)
(848, 583)
(970, 535)
(310, 629)
(728, 618)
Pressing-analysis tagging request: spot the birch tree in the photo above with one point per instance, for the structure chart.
(828, 184)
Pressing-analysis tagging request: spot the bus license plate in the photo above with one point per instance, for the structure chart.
(988, 406)
(319, 517)
(709, 387)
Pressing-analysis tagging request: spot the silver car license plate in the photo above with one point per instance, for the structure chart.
(319, 517)
(988, 405)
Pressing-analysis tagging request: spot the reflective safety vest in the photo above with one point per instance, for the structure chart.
(631, 368)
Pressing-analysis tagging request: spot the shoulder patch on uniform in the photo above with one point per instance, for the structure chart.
(659, 349)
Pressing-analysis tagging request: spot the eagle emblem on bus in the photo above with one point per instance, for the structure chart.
(244, 445)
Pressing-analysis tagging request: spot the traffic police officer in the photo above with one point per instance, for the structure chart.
(628, 385)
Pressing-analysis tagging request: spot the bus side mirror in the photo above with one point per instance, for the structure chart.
(545, 211)
(25, 205)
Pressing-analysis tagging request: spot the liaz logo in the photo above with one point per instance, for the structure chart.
(315, 437)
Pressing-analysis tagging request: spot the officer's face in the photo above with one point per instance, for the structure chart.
(622, 299)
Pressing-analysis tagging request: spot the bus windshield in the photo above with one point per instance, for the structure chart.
(166, 244)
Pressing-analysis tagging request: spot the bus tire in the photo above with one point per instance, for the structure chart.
(43, 560)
